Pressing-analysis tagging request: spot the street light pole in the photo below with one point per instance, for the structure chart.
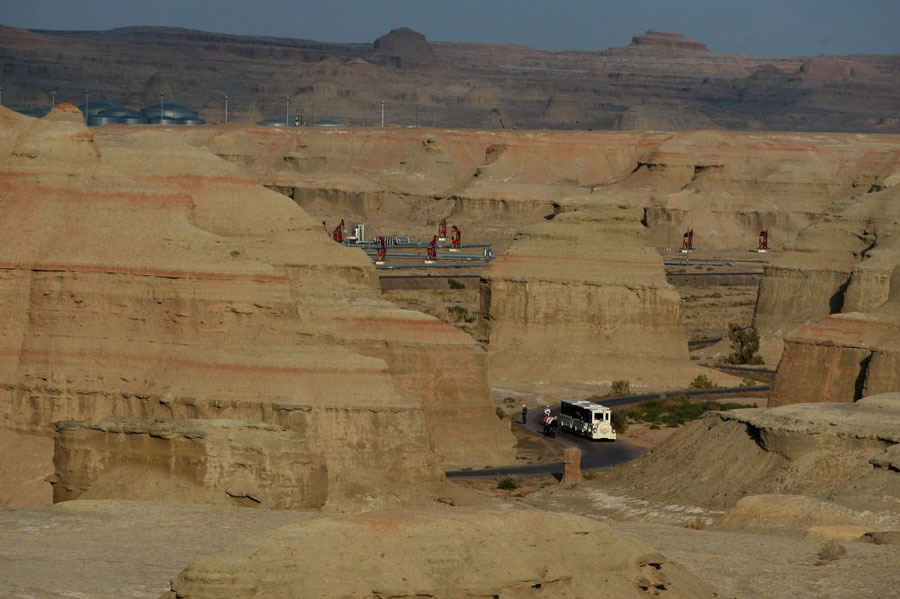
(162, 103)
(1, 96)
(226, 110)
(87, 97)
(382, 114)
(53, 99)
(287, 111)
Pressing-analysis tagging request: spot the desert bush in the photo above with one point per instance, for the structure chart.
(675, 411)
(744, 345)
(830, 552)
(619, 421)
(507, 484)
(701, 381)
(458, 313)
(454, 284)
(621, 388)
(697, 523)
(501, 414)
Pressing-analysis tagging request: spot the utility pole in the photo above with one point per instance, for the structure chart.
(162, 103)
(287, 111)
(382, 114)
(226, 109)
(417, 117)
(53, 99)
(87, 95)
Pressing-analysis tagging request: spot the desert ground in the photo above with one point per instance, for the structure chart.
(204, 395)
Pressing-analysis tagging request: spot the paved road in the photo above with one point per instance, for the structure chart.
(595, 455)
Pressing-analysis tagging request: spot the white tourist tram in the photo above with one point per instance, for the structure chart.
(586, 418)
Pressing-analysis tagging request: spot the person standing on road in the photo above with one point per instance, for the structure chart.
(524, 414)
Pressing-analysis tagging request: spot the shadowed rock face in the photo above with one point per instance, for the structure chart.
(660, 81)
(842, 357)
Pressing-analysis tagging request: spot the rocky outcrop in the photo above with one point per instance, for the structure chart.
(404, 46)
(147, 288)
(663, 41)
(842, 263)
(578, 302)
(214, 461)
(828, 450)
(442, 553)
(842, 357)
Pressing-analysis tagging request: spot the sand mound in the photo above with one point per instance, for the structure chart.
(797, 512)
(842, 452)
(439, 552)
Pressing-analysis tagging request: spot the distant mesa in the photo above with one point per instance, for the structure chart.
(653, 39)
(406, 44)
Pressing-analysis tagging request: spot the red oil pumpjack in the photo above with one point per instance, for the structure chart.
(687, 241)
(432, 251)
(382, 250)
(456, 238)
(763, 245)
(442, 230)
(338, 233)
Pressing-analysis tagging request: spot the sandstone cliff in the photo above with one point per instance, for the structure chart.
(191, 461)
(154, 280)
(842, 262)
(842, 357)
(579, 302)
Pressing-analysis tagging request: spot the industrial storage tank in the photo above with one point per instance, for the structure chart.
(170, 111)
(119, 115)
(38, 112)
(273, 123)
(98, 107)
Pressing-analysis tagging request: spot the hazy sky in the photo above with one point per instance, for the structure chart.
(759, 27)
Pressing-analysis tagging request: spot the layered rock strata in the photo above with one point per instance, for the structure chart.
(842, 262)
(153, 280)
(215, 461)
(842, 357)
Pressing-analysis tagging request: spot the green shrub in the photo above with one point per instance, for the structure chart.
(744, 345)
(454, 284)
(501, 414)
(460, 313)
(621, 388)
(619, 421)
(507, 484)
(674, 411)
(701, 381)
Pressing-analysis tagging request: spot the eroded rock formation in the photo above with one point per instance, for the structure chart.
(153, 280)
(441, 553)
(842, 357)
(843, 452)
(193, 461)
